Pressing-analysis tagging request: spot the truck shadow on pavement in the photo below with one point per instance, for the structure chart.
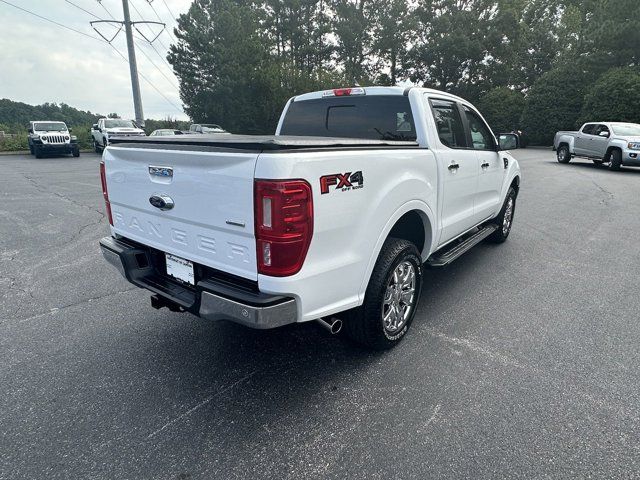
(236, 384)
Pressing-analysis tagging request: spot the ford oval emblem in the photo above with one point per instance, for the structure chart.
(165, 172)
(163, 202)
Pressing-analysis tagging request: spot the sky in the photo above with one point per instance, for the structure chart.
(42, 62)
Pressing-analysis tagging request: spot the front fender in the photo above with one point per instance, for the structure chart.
(512, 171)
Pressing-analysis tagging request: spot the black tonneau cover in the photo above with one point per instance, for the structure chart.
(254, 143)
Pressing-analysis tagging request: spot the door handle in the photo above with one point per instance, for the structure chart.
(453, 166)
(485, 165)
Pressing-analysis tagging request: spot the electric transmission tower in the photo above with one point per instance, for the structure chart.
(133, 66)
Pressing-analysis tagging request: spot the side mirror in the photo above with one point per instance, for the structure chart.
(69, 130)
(94, 126)
(508, 141)
(604, 134)
(31, 130)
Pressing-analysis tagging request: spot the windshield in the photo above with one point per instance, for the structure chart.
(114, 123)
(628, 129)
(50, 127)
(379, 117)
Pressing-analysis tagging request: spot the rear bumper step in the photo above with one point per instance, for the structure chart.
(209, 298)
(451, 253)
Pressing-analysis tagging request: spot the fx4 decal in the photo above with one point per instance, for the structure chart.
(342, 181)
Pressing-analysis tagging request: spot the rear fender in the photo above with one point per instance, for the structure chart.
(428, 221)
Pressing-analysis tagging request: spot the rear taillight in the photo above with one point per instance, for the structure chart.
(284, 225)
(105, 193)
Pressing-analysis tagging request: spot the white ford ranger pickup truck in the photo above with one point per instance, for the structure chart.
(333, 218)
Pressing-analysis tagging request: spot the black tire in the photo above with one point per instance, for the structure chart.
(563, 154)
(37, 151)
(504, 220)
(31, 149)
(366, 324)
(76, 152)
(105, 143)
(96, 147)
(615, 160)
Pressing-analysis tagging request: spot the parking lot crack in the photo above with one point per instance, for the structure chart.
(201, 404)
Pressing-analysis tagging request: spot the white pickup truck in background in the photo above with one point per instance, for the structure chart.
(614, 143)
(331, 219)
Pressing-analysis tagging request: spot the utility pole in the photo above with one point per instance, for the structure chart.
(133, 66)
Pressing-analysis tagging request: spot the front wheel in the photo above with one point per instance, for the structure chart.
(37, 151)
(76, 152)
(504, 220)
(563, 153)
(96, 147)
(391, 298)
(615, 160)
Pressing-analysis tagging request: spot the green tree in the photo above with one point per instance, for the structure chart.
(615, 97)
(502, 108)
(554, 103)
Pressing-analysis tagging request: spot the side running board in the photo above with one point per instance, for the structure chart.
(451, 253)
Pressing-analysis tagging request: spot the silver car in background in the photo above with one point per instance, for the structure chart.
(613, 143)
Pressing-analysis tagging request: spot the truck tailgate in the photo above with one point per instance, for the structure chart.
(211, 221)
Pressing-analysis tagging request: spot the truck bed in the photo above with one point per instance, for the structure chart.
(255, 143)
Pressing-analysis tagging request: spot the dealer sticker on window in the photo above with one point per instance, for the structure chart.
(180, 268)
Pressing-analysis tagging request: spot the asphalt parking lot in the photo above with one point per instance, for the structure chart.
(523, 360)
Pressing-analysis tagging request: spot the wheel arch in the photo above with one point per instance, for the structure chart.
(404, 224)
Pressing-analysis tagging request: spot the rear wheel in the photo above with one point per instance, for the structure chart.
(391, 298)
(563, 153)
(615, 160)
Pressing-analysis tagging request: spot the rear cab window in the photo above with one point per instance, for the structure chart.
(448, 123)
(375, 117)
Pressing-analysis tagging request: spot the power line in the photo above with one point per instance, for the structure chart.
(158, 68)
(97, 39)
(105, 9)
(83, 9)
(150, 30)
(169, 10)
(146, 79)
(171, 82)
(49, 20)
(160, 19)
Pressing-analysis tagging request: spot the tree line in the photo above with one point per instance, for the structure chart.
(536, 65)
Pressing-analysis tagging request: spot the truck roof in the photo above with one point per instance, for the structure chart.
(379, 91)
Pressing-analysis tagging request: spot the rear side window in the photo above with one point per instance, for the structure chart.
(375, 117)
(448, 123)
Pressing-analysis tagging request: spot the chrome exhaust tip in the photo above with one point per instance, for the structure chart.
(333, 325)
